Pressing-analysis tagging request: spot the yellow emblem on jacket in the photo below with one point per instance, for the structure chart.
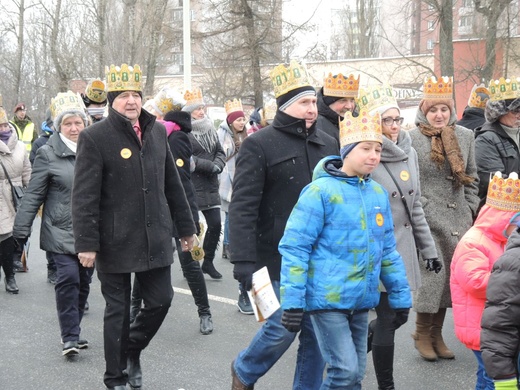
(126, 153)
(405, 175)
(179, 162)
(380, 219)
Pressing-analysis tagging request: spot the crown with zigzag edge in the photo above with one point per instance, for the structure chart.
(504, 193)
(66, 101)
(233, 106)
(503, 89)
(376, 96)
(286, 79)
(441, 88)
(475, 96)
(123, 78)
(364, 127)
(96, 91)
(194, 97)
(341, 86)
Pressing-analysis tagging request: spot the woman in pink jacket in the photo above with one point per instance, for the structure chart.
(473, 261)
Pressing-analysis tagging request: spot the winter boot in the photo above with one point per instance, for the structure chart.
(439, 347)
(209, 268)
(422, 337)
(225, 252)
(6, 259)
(383, 357)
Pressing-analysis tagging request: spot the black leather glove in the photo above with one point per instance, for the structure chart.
(243, 272)
(20, 242)
(433, 265)
(292, 319)
(401, 316)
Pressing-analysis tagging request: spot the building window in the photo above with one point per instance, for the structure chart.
(466, 21)
(177, 15)
(431, 25)
(430, 44)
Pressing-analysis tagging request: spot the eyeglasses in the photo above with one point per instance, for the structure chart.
(390, 121)
(515, 111)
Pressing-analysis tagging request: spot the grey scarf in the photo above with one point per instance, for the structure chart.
(205, 134)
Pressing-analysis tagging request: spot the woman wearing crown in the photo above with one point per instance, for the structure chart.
(209, 162)
(449, 185)
(398, 173)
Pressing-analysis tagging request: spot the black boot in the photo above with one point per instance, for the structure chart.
(10, 284)
(383, 357)
(209, 268)
(133, 370)
(6, 259)
(196, 282)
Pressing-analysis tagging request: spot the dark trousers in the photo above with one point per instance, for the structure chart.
(214, 223)
(120, 338)
(384, 329)
(6, 256)
(71, 289)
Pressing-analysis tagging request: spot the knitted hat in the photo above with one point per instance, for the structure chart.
(328, 100)
(66, 103)
(193, 99)
(182, 118)
(234, 110)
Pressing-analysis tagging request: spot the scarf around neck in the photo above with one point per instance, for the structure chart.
(444, 142)
(205, 134)
(5, 135)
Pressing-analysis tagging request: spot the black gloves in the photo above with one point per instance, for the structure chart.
(20, 242)
(243, 272)
(433, 265)
(401, 316)
(292, 319)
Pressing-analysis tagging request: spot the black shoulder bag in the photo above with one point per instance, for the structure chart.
(17, 191)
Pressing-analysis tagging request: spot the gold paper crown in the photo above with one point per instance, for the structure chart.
(168, 100)
(503, 89)
(3, 116)
(375, 97)
(96, 91)
(504, 194)
(194, 97)
(123, 78)
(341, 86)
(269, 110)
(475, 99)
(438, 89)
(233, 105)
(364, 127)
(66, 101)
(287, 79)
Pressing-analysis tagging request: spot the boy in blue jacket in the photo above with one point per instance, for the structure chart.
(338, 244)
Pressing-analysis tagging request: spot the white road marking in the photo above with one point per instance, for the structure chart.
(210, 297)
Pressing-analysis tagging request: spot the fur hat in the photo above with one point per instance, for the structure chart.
(182, 118)
(498, 108)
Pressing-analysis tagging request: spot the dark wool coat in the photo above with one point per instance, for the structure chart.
(126, 195)
(51, 185)
(449, 211)
(500, 334)
(272, 167)
(472, 118)
(328, 119)
(401, 160)
(204, 178)
(494, 151)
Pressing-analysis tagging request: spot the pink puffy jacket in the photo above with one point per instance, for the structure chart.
(471, 266)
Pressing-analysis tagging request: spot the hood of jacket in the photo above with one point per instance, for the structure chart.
(421, 118)
(399, 151)
(331, 166)
(325, 111)
(514, 240)
(492, 222)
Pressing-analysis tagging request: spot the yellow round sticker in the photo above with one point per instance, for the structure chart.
(379, 219)
(126, 153)
(179, 162)
(405, 175)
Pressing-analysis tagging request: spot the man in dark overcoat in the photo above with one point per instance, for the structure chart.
(127, 192)
(272, 167)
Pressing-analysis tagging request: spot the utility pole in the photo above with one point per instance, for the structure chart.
(186, 43)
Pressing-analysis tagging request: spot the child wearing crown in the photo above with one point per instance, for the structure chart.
(333, 273)
(473, 260)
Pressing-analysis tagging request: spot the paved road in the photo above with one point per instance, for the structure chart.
(179, 357)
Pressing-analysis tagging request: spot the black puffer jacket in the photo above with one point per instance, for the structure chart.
(500, 335)
(328, 119)
(51, 185)
(472, 118)
(494, 151)
(272, 167)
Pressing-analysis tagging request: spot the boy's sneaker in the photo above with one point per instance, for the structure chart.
(244, 304)
(82, 343)
(70, 348)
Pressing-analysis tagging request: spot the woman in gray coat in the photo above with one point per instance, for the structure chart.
(51, 185)
(449, 185)
(398, 173)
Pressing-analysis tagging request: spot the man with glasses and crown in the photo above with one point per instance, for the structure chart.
(272, 167)
(127, 194)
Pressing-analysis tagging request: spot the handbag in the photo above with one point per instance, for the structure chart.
(17, 191)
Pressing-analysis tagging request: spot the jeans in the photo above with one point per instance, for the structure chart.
(484, 382)
(71, 289)
(225, 240)
(271, 342)
(342, 339)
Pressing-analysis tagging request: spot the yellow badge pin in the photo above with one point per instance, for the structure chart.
(380, 220)
(179, 162)
(126, 153)
(405, 175)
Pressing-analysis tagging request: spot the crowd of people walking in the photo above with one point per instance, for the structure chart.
(346, 210)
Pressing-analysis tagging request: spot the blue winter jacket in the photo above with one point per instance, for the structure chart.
(338, 243)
